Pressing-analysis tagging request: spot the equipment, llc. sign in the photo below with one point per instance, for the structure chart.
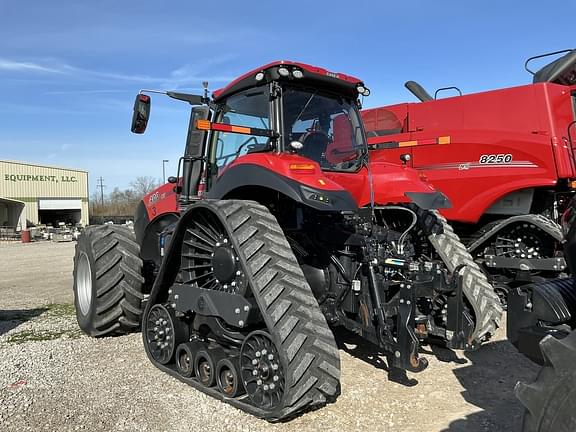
(39, 178)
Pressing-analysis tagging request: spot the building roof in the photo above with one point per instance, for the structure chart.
(42, 165)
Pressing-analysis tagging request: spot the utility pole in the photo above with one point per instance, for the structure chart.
(164, 170)
(101, 185)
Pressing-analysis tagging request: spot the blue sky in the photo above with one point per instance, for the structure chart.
(69, 70)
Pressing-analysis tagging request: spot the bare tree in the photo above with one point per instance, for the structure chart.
(123, 202)
(143, 185)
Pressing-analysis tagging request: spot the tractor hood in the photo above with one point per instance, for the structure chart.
(393, 184)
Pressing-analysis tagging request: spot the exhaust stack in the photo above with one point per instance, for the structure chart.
(418, 91)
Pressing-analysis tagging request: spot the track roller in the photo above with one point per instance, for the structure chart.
(205, 362)
(228, 377)
(185, 354)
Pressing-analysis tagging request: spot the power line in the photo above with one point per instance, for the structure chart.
(101, 185)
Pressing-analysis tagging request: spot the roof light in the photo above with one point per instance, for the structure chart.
(366, 92)
(297, 73)
(361, 89)
(259, 76)
(283, 71)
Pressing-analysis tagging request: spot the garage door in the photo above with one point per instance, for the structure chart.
(60, 204)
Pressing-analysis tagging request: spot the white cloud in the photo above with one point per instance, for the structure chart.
(18, 66)
(182, 76)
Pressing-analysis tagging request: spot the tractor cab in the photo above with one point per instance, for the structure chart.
(306, 115)
(290, 108)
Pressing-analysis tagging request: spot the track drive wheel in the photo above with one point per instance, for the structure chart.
(550, 401)
(108, 281)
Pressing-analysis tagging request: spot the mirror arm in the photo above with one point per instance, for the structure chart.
(191, 99)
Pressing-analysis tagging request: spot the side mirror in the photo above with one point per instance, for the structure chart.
(141, 113)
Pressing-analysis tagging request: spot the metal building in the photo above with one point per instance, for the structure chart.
(39, 194)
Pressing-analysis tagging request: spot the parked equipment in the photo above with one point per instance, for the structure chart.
(278, 227)
(541, 322)
(505, 159)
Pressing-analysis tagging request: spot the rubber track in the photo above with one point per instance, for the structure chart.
(287, 304)
(550, 400)
(478, 291)
(119, 280)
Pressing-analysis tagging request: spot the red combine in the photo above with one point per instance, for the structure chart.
(278, 228)
(505, 159)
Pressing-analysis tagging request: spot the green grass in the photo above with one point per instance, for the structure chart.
(62, 310)
(42, 335)
(50, 311)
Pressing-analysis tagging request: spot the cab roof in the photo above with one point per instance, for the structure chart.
(319, 77)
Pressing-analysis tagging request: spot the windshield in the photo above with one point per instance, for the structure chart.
(323, 128)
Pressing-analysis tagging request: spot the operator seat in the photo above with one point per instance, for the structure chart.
(314, 146)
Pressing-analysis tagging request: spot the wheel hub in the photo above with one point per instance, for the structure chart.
(224, 264)
(209, 260)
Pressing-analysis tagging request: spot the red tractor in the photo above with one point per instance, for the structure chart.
(505, 159)
(279, 227)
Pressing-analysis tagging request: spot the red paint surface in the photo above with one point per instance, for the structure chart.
(161, 200)
(529, 122)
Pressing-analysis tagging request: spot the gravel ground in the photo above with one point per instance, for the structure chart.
(54, 378)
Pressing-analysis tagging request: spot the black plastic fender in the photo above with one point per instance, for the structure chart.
(249, 175)
(537, 310)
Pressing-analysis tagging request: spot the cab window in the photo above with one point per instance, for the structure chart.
(249, 109)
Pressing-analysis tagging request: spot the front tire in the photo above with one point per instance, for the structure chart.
(108, 281)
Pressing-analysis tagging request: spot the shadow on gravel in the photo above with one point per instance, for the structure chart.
(363, 350)
(488, 383)
(10, 319)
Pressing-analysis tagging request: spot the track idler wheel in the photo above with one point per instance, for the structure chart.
(262, 370)
(228, 377)
(163, 333)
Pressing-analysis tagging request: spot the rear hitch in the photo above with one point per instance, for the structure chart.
(406, 354)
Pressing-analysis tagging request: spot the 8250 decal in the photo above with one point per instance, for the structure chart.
(495, 158)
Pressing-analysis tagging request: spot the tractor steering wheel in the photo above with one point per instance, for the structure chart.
(315, 150)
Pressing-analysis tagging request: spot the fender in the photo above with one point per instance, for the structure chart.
(148, 232)
(548, 226)
(322, 199)
(538, 310)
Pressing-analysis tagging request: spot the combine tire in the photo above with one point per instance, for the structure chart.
(108, 281)
(480, 294)
(291, 362)
(550, 401)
